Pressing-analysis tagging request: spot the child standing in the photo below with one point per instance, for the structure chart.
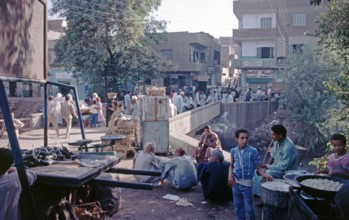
(244, 160)
(94, 114)
(338, 162)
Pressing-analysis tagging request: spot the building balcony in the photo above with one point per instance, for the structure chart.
(260, 63)
(253, 34)
(255, 63)
(250, 7)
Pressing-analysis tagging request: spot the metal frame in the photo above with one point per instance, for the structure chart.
(28, 197)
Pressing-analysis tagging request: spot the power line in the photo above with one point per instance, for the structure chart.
(283, 14)
(276, 23)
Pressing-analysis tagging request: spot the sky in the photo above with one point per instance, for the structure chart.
(215, 17)
(211, 16)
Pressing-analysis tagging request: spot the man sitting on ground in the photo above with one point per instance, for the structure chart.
(180, 171)
(147, 160)
(214, 177)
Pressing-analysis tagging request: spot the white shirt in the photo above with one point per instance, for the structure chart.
(127, 100)
(10, 191)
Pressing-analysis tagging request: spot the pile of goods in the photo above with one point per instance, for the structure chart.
(45, 156)
(89, 211)
(156, 91)
(322, 184)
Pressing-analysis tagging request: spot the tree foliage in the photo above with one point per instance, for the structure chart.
(334, 36)
(307, 97)
(107, 42)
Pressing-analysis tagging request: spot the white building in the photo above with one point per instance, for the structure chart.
(269, 31)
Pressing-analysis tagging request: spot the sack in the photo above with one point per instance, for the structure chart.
(63, 211)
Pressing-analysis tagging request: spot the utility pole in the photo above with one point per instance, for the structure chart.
(276, 32)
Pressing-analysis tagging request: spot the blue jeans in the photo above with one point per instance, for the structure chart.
(93, 121)
(243, 196)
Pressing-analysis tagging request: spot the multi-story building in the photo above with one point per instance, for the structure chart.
(269, 31)
(197, 56)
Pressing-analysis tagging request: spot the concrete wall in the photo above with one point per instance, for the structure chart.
(182, 124)
(244, 114)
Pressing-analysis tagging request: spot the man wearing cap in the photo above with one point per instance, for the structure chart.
(133, 107)
(214, 177)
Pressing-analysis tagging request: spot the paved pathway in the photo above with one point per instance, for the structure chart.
(29, 139)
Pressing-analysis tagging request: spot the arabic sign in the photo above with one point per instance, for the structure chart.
(252, 73)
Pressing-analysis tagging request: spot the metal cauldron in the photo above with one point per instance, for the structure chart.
(318, 192)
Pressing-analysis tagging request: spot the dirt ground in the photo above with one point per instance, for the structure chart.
(149, 204)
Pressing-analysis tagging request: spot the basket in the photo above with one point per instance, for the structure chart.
(111, 95)
(156, 91)
(90, 211)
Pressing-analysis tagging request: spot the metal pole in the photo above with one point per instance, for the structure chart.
(76, 99)
(76, 103)
(45, 116)
(27, 194)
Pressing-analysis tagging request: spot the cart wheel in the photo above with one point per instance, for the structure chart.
(109, 197)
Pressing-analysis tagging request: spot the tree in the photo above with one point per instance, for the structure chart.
(307, 97)
(334, 36)
(107, 42)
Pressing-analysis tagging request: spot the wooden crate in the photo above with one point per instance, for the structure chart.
(128, 144)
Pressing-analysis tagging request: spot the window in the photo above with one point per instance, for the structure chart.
(167, 53)
(265, 52)
(202, 57)
(195, 56)
(294, 48)
(299, 20)
(266, 23)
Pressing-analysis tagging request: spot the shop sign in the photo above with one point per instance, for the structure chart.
(259, 73)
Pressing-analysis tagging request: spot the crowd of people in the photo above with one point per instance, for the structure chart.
(239, 179)
(188, 98)
(242, 177)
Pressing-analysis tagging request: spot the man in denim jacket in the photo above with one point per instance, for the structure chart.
(244, 161)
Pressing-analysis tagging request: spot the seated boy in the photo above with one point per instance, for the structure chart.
(338, 162)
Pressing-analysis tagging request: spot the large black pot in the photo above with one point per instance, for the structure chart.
(318, 192)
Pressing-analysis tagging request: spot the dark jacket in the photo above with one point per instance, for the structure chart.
(214, 180)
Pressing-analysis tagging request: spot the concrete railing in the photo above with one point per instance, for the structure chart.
(182, 124)
(243, 114)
